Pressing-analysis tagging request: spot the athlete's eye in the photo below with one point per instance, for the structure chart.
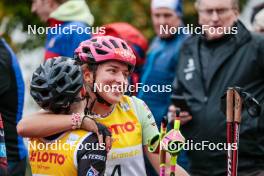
(111, 70)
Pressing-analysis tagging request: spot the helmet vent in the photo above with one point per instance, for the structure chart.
(105, 44)
(124, 46)
(101, 52)
(114, 43)
(74, 76)
(61, 82)
(86, 50)
(67, 70)
(44, 93)
(40, 82)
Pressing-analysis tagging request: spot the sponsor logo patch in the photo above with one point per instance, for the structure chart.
(92, 172)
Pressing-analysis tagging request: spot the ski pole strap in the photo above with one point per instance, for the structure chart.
(173, 141)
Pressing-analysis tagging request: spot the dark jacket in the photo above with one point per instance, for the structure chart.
(11, 102)
(238, 61)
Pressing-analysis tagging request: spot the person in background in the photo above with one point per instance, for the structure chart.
(162, 56)
(209, 64)
(258, 23)
(136, 40)
(11, 109)
(71, 18)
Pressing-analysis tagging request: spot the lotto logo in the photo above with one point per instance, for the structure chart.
(54, 158)
(122, 128)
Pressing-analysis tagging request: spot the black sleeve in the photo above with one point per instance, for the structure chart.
(177, 87)
(91, 157)
(5, 64)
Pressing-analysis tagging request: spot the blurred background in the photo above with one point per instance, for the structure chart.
(15, 16)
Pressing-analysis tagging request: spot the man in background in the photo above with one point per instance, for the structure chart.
(64, 15)
(162, 57)
(226, 56)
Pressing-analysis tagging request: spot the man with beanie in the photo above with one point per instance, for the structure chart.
(162, 58)
(73, 20)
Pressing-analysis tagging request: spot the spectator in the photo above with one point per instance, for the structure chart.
(11, 108)
(258, 23)
(162, 57)
(208, 65)
(71, 18)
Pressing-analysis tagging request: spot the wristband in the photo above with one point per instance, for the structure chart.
(76, 119)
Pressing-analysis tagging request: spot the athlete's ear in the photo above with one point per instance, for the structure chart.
(87, 75)
(83, 91)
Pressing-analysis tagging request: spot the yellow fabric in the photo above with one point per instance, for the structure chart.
(52, 159)
(126, 153)
(124, 125)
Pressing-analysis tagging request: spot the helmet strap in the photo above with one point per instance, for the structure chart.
(100, 99)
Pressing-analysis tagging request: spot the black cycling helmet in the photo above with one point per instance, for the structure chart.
(56, 83)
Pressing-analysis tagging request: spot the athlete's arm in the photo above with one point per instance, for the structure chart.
(43, 124)
(149, 130)
(91, 157)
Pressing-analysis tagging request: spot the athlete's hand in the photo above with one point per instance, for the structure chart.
(101, 131)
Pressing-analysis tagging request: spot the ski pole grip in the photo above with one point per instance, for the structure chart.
(238, 106)
(229, 105)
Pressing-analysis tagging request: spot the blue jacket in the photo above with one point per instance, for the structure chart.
(159, 69)
(73, 22)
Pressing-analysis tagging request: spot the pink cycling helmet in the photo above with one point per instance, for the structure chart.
(105, 48)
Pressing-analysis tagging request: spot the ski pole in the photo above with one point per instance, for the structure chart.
(174, 157)
(237, 120)
(162, 156)
(173, 142)
(229, 127)
(235, 98)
